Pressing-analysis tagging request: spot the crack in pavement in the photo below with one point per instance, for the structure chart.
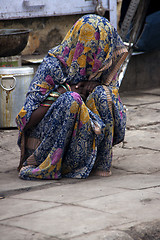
(139, 126)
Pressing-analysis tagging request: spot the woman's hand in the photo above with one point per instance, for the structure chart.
(84, 88)
(90, 85)
(61, 89)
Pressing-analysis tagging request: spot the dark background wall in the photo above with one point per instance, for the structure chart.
(143, 72)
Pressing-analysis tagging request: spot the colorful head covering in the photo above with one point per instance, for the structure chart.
(90, 47)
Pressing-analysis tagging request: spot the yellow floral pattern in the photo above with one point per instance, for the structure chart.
(74, 107)
(87, 46)
(81, 61)
(91, 105)
(84, 115)
(22, 113)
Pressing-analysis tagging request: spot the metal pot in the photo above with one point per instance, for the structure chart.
(12, 41)
(14, 84)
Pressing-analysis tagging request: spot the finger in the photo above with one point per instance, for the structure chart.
(80, 84)
(90, 87)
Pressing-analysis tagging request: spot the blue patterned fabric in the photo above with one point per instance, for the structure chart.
(74, 137)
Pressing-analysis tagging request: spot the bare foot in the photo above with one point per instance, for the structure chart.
(102, 173)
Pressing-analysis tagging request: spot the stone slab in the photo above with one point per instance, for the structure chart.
(92, 188)
(146, 231)
(144, 163)
(130, 181)
(10, 208)
(133, 99)
(155, 106)
(142, 139)
(9, 151)
(120, 151)
(105, 235)
(151, 128)
(8, 141)
(137, 117)
(72, 193)
(10, 183)
(15, 233)
(66, 221)
(137, 206)
(8, 161)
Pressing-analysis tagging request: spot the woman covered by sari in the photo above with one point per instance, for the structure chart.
(73, 114)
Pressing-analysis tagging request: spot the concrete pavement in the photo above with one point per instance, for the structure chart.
(125, 206)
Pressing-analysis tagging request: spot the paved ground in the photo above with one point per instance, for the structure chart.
(125, 206)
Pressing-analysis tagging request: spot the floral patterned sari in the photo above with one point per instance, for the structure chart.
(75, 137)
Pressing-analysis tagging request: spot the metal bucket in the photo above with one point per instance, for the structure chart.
(14, 84)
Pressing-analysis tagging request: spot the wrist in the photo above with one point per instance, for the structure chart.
(64, 88)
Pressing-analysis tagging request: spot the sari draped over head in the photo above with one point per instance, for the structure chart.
(75, 137)
(91, 47)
